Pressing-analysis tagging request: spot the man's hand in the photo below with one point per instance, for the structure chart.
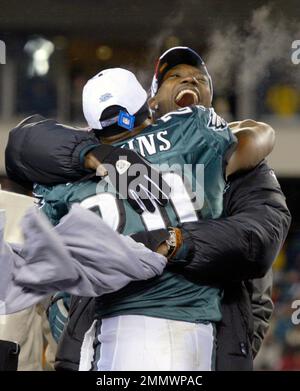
(163, 249)
(134, 178)
(163, 241)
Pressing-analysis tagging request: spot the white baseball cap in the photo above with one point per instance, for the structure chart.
(111, 87)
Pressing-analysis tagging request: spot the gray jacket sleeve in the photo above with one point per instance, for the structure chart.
(6, 262)
(82, 255)
(12, 296)
(262, 308)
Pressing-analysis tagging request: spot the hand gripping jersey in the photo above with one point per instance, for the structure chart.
(190, 146)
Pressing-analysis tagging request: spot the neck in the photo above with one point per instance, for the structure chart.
(125, 135)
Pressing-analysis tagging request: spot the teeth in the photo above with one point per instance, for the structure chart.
(183, 92)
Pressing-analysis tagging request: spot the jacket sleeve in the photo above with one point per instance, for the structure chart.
(6, 262)
(262, 308)
(82, 255)
(12, 296)
(244, 244)
(43, 151)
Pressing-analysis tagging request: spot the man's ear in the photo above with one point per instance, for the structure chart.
(152, 103)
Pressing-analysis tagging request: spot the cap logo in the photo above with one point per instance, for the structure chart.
(126, 120)
(105, 97)
(161, 69)
(122, 166)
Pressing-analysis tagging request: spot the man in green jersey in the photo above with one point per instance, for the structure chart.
(191, 136)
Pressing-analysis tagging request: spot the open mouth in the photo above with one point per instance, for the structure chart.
(186, 98)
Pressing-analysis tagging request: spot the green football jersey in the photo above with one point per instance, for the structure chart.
(190, 146)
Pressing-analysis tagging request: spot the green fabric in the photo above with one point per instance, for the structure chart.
(190, 136)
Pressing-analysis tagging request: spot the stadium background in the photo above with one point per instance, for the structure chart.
(53, 47)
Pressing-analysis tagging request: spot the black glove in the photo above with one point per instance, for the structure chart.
(134, 178)
(152, 239)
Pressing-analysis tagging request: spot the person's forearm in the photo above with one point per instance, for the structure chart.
(243, 244)
(233, 248)
(53, 152)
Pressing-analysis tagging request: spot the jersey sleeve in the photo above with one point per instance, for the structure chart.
(51, 201)
(205, 135)
(217, 131)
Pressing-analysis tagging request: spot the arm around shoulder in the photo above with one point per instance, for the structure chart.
(256, 141)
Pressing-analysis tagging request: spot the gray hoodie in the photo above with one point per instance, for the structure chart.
(82, 255)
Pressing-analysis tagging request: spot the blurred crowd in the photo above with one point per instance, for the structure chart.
(281, 347)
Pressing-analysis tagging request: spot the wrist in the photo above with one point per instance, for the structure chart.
(163, 249)
(174, 242)
(83, 155)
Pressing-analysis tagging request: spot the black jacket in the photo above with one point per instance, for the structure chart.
(229, 251)
(251, 238)
(243, 246)
(44, 151)
(237, 252)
